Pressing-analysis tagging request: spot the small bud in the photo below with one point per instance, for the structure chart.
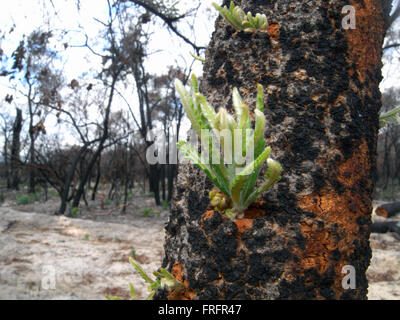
(260, 125)
(215, 201)
(212, 194)
(230, 122)
(273, 174)
(223, 204)
(218, 120)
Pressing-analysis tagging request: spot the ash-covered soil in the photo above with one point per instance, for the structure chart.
(43, 256)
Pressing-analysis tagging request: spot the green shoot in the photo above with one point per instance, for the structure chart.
(165, 280)
(197, 57)
(391, 117)
(236, 17)
(235, 153)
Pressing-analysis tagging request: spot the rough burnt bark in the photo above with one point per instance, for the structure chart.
(322, 102)
(388, 210)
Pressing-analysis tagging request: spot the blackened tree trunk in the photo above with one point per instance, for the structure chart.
(154, 182)
(15, 150)
(98, 176)
(102, 139)
(65, 193)
(163, 189)
(126, 178)
(172, 168)
(322, 101)
(7, 159)
(32, 138)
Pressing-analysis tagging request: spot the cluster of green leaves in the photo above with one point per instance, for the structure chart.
(53, 193)
(1, 198)
(165, 205)
(236, 17)
(24, 199)
(391, 117)
(224, 161)
(147, 212)
(164, 280)
(129, 195)
(74, 212)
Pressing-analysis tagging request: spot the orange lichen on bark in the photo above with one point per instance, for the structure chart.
(253, 213)
(341, 210)
(244, 224)
(209, 214)
(184, 294)
(365, 41)
(355, 168)
(332, 209)
(177, 271)
(273, 30)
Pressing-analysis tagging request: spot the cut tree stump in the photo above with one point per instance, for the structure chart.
(388, 210)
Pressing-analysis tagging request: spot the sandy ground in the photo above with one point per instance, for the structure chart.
(43, 256)
(384, 271)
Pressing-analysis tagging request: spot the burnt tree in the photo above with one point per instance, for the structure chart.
(322, 102)
(15, 150)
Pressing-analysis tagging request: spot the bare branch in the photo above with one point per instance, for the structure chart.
(391, 45)
(169, 21)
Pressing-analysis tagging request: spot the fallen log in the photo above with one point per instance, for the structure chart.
(388, 210)
(386, 226)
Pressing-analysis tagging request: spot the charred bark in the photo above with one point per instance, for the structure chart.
(6, 158)
(15, 150)
(172, 169)
(322, 101)
(162, 178)
(98, 176)
(65, 194)
(102, 139)
(154, 182)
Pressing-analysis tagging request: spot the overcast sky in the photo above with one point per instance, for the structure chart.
(22, 16)
(29, 15)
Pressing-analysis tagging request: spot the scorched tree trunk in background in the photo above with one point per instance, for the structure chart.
(322, 101)
(15, 150)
